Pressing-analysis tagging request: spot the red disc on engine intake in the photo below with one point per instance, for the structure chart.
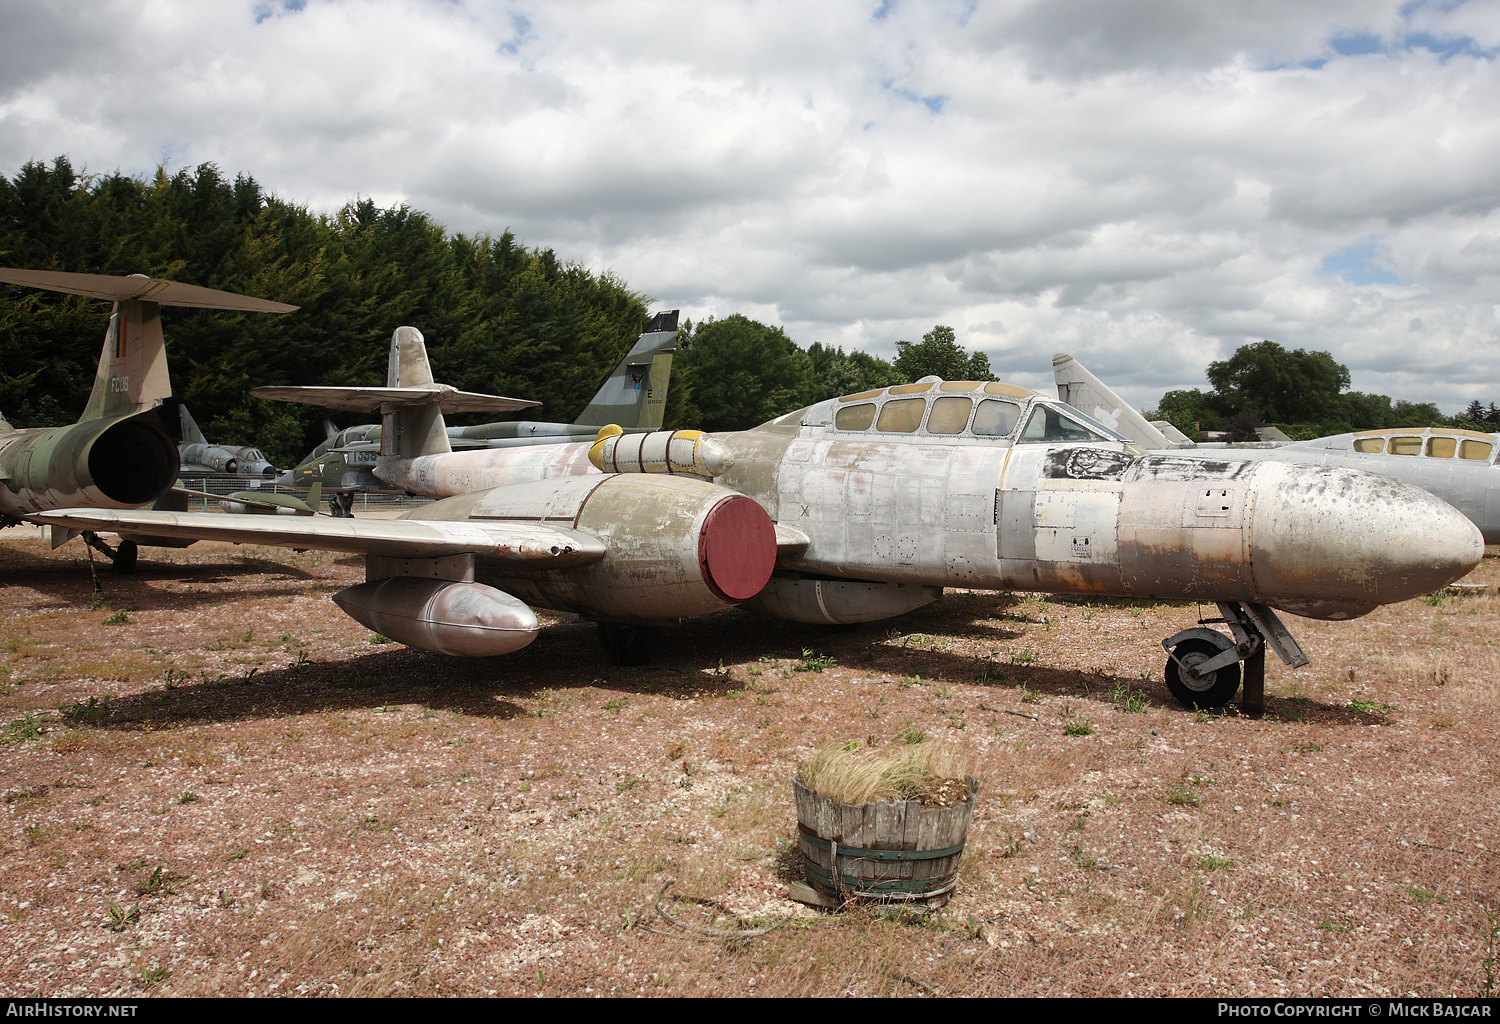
(737, 548)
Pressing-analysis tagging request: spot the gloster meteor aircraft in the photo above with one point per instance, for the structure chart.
(854, 510)
(1460, 466)
(123, 452)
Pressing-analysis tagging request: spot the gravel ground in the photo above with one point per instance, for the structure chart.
(216, 784)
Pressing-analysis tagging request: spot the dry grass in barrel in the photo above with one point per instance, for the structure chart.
(930, 771)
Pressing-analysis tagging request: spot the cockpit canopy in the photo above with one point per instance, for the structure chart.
(979, 410)
(1432, 443)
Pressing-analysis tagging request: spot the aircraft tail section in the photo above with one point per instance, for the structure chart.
(411, 430)
(1086, 393)
(190, 432)
(411, 405)
(1175, 437)
(132, 374)
(635, 394)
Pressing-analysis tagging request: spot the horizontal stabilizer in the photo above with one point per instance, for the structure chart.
(519, 545)
(448, 399)
(146, 289)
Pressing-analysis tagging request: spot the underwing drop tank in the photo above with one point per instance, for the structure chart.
(442, 616)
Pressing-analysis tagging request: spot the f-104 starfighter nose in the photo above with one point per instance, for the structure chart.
(1335, 543)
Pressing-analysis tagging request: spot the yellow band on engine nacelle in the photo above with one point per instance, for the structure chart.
(686, 452)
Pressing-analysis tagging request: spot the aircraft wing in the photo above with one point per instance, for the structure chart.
(449, 400)
(519, 544)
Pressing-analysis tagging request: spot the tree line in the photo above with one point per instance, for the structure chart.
(499, 316)
(1303, 393)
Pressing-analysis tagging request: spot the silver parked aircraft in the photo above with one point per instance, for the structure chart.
(1460, 466)
(854, 510)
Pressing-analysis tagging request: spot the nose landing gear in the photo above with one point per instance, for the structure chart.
(1203, 667)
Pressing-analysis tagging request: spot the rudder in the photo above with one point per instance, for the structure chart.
(635, 394)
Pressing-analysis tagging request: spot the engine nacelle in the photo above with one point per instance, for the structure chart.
(441, 616)
(675, 546)
(838, 602)
(111, 463)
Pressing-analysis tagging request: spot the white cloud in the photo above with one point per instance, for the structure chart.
(1144, 183)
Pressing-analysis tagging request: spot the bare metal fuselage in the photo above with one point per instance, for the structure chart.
(917, 510)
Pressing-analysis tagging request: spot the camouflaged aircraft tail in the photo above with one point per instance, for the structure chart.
(635, 395)
(132, 374)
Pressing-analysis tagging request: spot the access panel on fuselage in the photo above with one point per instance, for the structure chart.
(1057, 522)
(900, 512)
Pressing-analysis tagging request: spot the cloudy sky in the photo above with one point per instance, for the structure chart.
(1146, 184)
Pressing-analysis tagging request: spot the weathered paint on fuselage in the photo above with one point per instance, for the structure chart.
(1471, 485)
(1018, 509)
(1000, 513)
(454, 473)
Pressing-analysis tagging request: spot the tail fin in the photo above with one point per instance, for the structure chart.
(411, 430)
(635, 395)
(132, 374)
(411, 404)
(190, 432)
(1084, 392)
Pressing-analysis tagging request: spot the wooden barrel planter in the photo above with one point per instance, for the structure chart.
(901, 850)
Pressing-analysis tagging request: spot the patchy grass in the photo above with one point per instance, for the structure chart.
(492, 830)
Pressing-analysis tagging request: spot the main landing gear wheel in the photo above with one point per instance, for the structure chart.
(627, 645)
(1213, 690)
(341, 505)
(123, 560)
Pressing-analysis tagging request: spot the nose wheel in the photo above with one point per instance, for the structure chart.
(1195, 687)
(1203, 667)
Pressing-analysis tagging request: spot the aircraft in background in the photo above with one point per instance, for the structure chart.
(633, 396)
(852, 510)
(123, 451)
(199, 458)
(1460, 466)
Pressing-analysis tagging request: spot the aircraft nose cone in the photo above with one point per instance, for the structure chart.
(1335, 543)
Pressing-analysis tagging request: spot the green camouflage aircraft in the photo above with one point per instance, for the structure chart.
(123, 451)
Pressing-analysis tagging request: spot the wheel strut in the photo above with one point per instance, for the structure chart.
(1193, 666)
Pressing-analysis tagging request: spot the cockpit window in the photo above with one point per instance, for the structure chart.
(1369, 445)
(1049, 423)
(903, 415)
(996, 418)
(855, 417)
(1099, 428)
(1477, 450)
(949, 415)
(1441, 447)
(1405, 446)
